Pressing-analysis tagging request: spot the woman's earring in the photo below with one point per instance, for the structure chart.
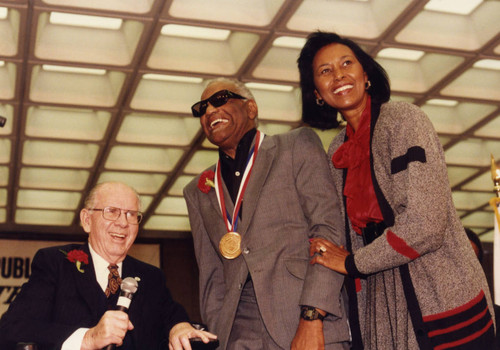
(320, 102)
(368, 84)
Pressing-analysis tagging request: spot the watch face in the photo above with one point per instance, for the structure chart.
(309, 314)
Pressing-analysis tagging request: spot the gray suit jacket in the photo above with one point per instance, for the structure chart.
(290, 198)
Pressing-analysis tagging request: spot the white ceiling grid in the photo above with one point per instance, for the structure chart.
(101, 90)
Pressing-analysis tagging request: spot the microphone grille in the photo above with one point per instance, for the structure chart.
(129, 285)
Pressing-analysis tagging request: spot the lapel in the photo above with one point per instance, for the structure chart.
(212, 197)
(87, 284)
(130, 269)
(258, 177)
(261, 168)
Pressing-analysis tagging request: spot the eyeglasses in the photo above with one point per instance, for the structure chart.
(133, 217)
(218, 99)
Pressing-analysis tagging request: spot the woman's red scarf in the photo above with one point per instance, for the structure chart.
(354, 154)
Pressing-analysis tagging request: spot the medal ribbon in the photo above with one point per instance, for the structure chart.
(244, 181)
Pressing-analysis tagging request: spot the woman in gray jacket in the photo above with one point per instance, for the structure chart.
(412, 277)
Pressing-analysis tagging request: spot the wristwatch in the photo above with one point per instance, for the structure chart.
(310, 313)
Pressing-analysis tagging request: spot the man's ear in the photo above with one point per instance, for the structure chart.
(85, 219)
(252, 109)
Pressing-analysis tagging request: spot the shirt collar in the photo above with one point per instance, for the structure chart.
(243, 146)
(101, 268)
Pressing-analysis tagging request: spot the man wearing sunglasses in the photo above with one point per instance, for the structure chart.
(69, 300)
(251, 216)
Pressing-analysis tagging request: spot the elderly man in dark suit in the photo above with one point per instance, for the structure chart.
(69, 299)
(251, 217)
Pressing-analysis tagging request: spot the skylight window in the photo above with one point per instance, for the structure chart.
(459, 7)
(195, 32)
(70, 19)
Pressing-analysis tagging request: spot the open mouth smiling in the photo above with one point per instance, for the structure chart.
(343, 88)
(217, 121)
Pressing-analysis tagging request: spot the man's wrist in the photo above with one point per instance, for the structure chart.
(310, 313)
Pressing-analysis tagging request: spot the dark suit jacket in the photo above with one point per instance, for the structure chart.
(58, 299)
(290, 197)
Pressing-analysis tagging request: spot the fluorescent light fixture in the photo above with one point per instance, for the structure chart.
(459, 7)
(195, 32)
(3, 12)
(175, 78)
(66, 69)
(70, 19)
(401, 54)
(441, 102)
(270, 87)
(289, 42)
(488, 64)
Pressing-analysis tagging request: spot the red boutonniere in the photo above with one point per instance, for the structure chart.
(206, 181)
(79, 257)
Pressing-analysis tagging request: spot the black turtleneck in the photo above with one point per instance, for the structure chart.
(232, 170)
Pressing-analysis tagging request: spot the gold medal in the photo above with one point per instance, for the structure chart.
(229, 245)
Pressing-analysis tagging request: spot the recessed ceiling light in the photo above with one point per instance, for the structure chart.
(3, 12)
(195, 32)
(488, 64)
(441, 102)
(401, 54)
(459, 7)
(272, 87)
(66, 69)
(176, 78)
(70, 19)
(289, 42)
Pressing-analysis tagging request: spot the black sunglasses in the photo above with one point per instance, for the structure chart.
(218, 99)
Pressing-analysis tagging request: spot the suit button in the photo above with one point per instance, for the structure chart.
(240, 286)
(246, 251)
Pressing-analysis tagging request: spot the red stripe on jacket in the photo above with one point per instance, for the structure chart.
(399, 245)
(466, 339)
(459, 325)
(455, 311)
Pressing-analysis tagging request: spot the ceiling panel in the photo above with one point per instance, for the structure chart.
(101, 90)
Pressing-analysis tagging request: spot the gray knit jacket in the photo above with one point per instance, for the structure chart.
(424, 253)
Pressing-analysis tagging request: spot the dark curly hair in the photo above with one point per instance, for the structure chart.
(325, 117)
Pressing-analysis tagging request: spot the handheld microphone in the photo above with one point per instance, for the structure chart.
(128, 288)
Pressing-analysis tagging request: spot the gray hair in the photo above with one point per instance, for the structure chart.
(241, 88)
(90, 200)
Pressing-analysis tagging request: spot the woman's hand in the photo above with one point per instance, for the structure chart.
(328, 254)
